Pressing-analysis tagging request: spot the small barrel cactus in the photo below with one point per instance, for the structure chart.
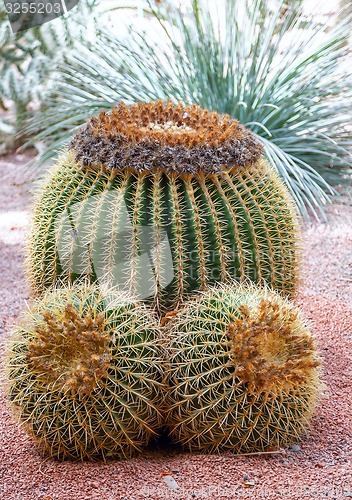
(244, 372)
(85, 374)
(161, 200)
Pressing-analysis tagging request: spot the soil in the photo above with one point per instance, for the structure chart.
(318, 467)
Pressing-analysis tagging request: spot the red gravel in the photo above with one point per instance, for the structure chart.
(318, 467)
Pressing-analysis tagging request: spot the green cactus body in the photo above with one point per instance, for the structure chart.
(85, 374)
(244, 372)
(163, 228)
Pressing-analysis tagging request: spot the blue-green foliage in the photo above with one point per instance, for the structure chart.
(283, 75)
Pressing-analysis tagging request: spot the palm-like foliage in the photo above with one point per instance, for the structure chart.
(284, 77)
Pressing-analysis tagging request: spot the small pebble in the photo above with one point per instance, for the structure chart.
(295, 448)
(249, 484)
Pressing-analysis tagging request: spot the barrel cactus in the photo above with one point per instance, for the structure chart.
(244, 372)
(161, 200)
(85, 374)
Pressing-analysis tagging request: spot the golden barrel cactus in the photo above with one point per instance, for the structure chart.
(84, 374)
(160, 200)
(244, 372)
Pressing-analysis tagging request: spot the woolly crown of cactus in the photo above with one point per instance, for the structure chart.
(163, 136)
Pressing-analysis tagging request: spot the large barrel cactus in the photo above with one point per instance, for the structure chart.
(85, 374)
(244, 372)
(160, 200)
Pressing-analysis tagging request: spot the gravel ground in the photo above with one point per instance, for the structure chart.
(318, 467)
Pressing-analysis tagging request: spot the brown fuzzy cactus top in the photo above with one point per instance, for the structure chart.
(271, 348)
(162, 136)
(71, 351)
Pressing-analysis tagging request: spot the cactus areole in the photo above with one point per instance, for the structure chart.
(160, 200)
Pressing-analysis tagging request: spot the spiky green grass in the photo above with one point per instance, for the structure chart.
(244, 372)
(285, 77)
(84, 374)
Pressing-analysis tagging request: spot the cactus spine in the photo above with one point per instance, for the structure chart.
(163, 200)
(85, 375)
(244, 372)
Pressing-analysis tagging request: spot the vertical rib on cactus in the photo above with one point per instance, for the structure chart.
(151, 175)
